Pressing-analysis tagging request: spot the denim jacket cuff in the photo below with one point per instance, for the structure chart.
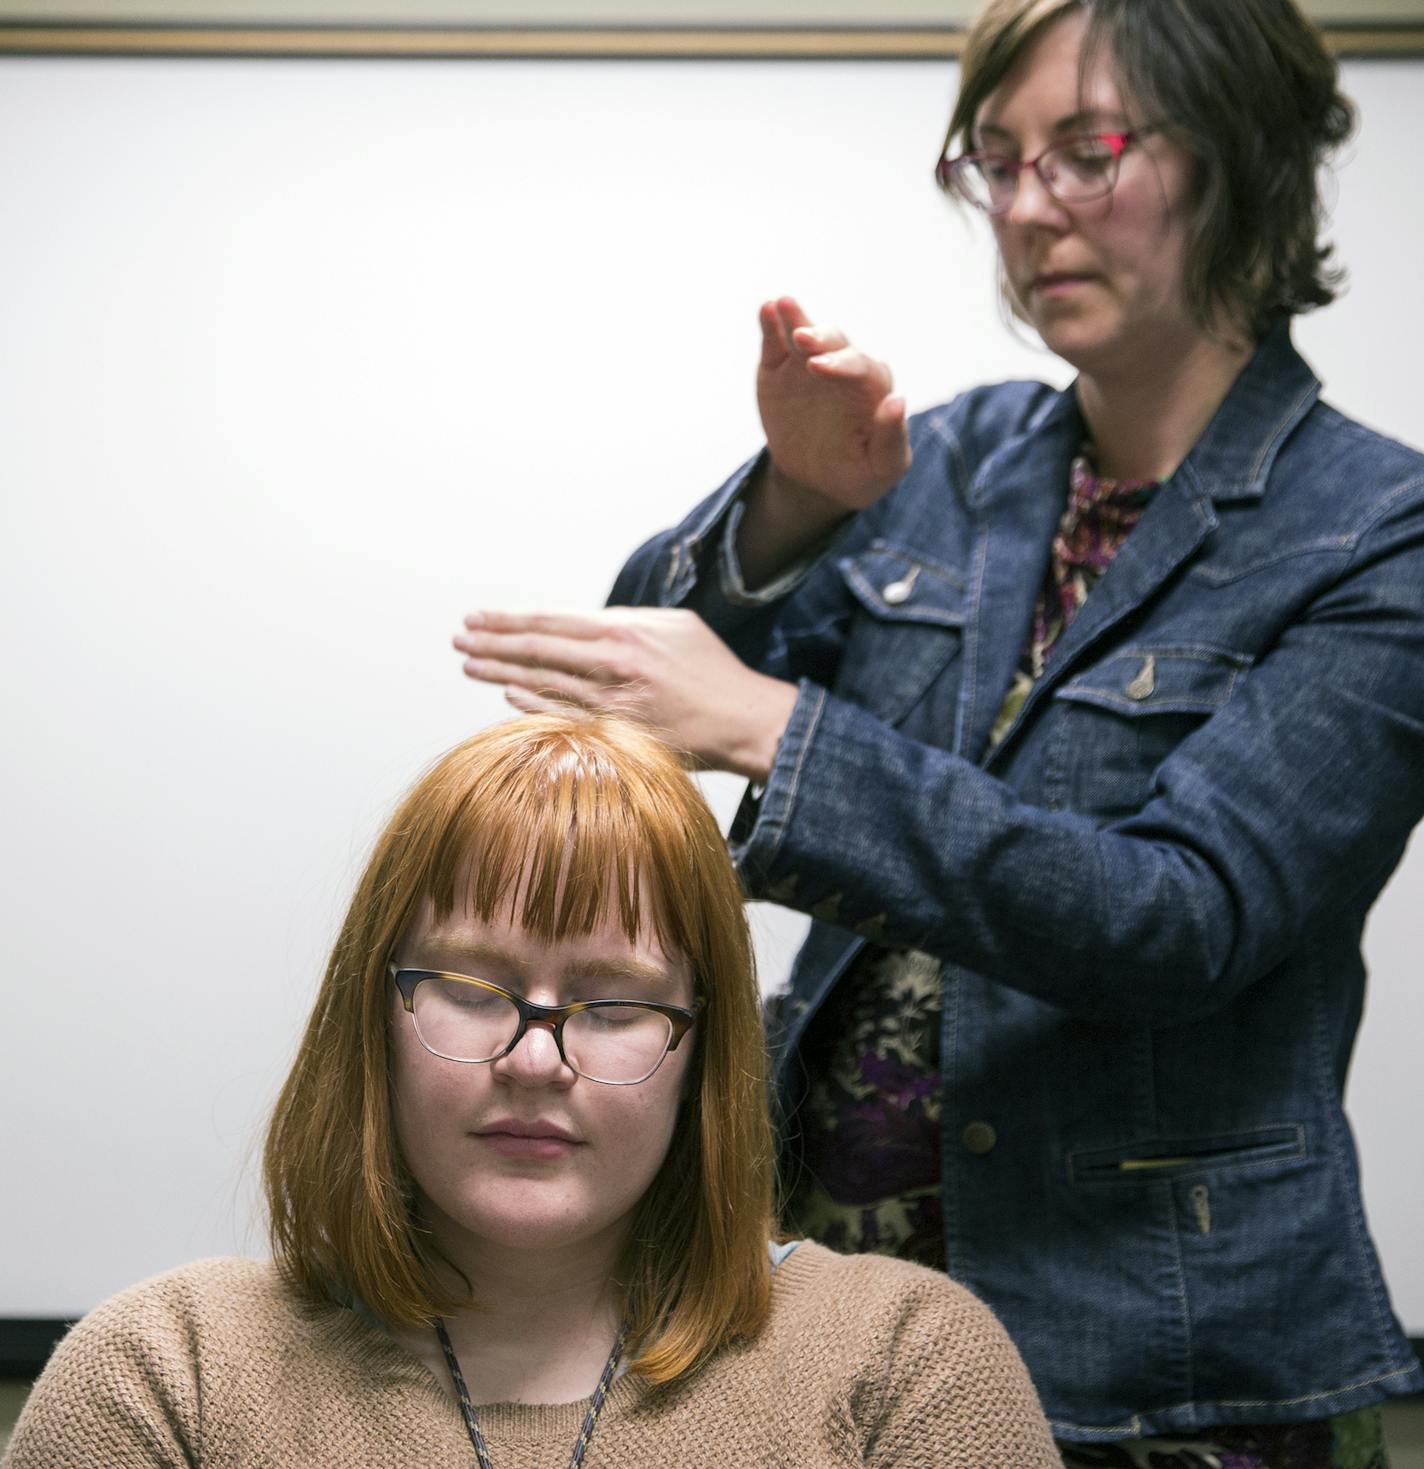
(761, 822)
(729, 567)
(686, 546)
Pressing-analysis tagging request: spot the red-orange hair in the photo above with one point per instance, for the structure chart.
(560, 821)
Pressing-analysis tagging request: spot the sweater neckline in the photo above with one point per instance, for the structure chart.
(361, 1334)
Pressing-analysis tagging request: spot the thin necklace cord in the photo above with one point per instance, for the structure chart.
(472, 1423)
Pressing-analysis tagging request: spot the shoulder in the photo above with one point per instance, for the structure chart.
(128, 1383)
(1355, 470)
(159, 1330)
(926, 1367)
(881, 1292)
(181, 1300)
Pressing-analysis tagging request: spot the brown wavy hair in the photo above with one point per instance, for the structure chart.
(557, 821)
(1249, 90)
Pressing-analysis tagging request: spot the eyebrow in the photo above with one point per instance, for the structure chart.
(475, 956)
(1086, 117)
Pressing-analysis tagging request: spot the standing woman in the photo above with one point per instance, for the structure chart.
(520, 1187)
(1087, 726)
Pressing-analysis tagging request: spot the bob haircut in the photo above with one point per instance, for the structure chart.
(558, 821)
(1248, 89)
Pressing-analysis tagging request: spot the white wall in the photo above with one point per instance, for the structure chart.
(300, 360)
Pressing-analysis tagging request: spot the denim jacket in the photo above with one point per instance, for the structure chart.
(1147, 898)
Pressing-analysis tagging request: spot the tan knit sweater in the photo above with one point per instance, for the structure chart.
(864, 1360)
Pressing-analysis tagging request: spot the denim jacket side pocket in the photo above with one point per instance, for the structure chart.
(908, 628)
(1154, 1160)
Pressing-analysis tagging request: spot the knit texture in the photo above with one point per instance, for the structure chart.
(865, 1360)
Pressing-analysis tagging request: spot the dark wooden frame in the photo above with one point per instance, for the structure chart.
(76, 38)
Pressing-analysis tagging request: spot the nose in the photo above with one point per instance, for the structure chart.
(1033, 204)
(536, 1061)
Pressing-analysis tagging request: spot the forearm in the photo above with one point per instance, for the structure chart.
(1155, 919)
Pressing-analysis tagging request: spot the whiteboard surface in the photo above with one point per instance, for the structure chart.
(299, 360)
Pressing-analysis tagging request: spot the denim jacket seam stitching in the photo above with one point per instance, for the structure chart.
(1198, 652)
(1184, 1304)
(1306, 1398)
(1134, 1422)
(941, 430)
(1369, 1279)
(1336, 546)
(971, 649)
(901, 616)
(1384, 506)
(1116, 699)
(1287, 421)
(883, 546)
(779, 822)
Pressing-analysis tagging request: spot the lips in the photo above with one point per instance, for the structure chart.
(526, 1141)
(1052, 282)
(515, 1127)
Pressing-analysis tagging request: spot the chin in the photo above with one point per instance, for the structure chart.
(1083, 345)
(532, 1223)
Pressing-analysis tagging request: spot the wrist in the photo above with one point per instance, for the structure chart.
(753, 743)
(792, 503)
(782, 521)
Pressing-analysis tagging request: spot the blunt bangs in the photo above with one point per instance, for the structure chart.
(558, 834)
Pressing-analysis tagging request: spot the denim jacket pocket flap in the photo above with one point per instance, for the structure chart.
(1167, 680)
(896, 586)
(1147, 1161)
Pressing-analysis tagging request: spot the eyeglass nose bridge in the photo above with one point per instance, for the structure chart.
(552, 1016)
(1046, 175)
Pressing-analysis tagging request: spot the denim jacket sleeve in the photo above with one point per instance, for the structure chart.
(1280, 811)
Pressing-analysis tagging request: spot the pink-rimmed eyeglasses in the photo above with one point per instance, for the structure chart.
(1075, 171)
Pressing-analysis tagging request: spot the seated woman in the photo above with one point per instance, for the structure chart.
(520, 1185)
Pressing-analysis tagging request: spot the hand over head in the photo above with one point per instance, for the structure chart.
(661, 665)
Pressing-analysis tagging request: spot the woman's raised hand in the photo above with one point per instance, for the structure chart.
(661, 665)
(834, 427)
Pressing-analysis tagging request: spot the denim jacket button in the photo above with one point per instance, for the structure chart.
(978, 1138)
(899, 591)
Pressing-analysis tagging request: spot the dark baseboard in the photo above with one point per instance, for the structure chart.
(25, 1344)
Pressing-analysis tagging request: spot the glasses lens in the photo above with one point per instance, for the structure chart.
(1082, 168)
(984, 181)
(463, 1021)
(616, 1043)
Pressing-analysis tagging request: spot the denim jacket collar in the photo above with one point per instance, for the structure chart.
(1271, 394)
(1018, 496)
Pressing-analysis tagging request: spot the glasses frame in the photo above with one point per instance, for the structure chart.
(948, 170)
(553, 1016)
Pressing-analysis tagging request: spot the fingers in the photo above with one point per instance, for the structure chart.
(788, 309)
(553, 624)
(812, 341)
(536, 652)
(775, 347)
(543, 682)
(889, 439)
(779, 319)
(528, 703)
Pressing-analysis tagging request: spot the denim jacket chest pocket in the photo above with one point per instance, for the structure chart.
(1114, 723)
(907, 631)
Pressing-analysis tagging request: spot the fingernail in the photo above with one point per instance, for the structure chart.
(474, 619)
